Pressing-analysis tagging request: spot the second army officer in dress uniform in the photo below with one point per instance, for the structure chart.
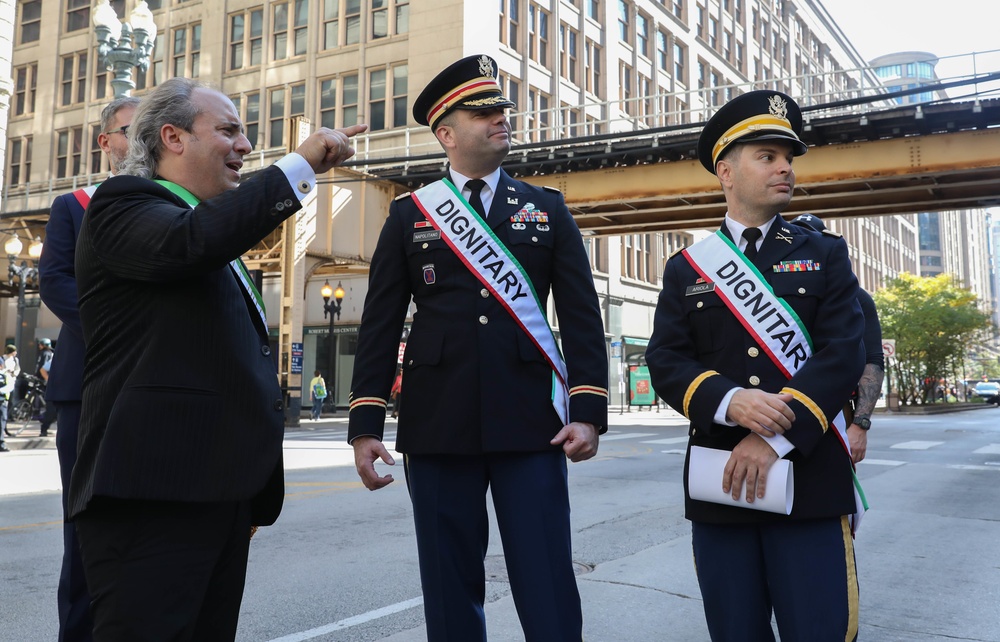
(757, 340)
(483, 407)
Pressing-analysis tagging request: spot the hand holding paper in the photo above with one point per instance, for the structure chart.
(707, 468)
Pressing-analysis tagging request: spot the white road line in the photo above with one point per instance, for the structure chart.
(882, 462)
(972, 467)
(992, 449)
(916, 445)
(671, 440)
(633, 435)
(351, 621)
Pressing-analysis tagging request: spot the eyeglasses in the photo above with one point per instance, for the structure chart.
(121, 130)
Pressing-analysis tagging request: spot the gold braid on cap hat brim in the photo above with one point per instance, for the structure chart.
(456, 95)
(749, 126)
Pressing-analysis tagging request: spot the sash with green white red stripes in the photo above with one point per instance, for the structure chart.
(768, 318)
(84, 194)
(239, 269)
(489, 260)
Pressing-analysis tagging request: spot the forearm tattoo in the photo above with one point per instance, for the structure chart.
(869, 389)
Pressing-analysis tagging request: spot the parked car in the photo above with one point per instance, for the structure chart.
(989, 390)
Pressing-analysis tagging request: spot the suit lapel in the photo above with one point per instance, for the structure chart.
(507, 201)
(780, 241)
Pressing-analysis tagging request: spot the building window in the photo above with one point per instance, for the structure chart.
(592, 68)
(280, 26)
(623, 20)
(96, 156)
(25, 83)
(74, 78)
(642, 34)
(77, 14)
(594, 9)
(19, 161)
(511, 88)
(597, 250)
(402, 16)
(679, 63)
(567, 48)
(400, 84)
(380, 19)
(625, 89)
(31, 20)
(328, 103)
(352, 17)
(279, 32)
(186, 52)
(350, 100)
(279, 111)
(662, 51)
(678, 7)
(386, 13)
(331, 23)
(538, 118)
(300, 28)
(538, 35)
(69, 152)
(509, 22)
(246, 45)
(251, 118)
(376, 99)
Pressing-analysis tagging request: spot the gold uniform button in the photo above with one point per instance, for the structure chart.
(755, 380)
(484, 293)
(802, 290)
(483, 320)
(425, 246)
(753, 352)
(700, 304)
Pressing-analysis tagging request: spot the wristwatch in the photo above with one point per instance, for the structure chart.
(864, 423)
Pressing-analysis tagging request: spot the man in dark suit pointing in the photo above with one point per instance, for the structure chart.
(180, 455)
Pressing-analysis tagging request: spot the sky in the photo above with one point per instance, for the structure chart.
(951, 28)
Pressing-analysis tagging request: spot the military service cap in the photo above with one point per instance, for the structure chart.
(756, 115)
(470, 83)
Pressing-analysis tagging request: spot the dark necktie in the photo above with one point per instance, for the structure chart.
(751, 234)
(475, 200)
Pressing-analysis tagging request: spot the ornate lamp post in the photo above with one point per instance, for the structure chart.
(24, 274)
(331, 308)
(123, 45)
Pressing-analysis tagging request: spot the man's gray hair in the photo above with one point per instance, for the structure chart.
(168, 104)
(108, 113)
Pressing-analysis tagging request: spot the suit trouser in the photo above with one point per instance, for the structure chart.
(162, 571)
(802, 570)
(75, 623)
(531, 499)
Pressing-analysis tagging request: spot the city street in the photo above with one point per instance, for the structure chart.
(340, 564)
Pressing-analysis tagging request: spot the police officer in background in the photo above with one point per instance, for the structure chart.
(870, 386)
(479, 390)
(723, 358)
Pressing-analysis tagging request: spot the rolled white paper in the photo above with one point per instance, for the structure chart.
(705, 482)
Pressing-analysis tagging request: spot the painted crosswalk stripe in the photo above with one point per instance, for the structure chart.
(671, 440)
(626, 435)
(351, 621)
(992, 449)
(882, 462)
(916, 445)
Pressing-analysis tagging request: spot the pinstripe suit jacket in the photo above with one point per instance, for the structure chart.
(180, 396)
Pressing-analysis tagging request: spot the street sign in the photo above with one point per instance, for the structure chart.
(889, 348)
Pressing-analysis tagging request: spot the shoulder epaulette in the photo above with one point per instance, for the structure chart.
(402, 196)
(833, 234)
(677, 251)
(551, 189)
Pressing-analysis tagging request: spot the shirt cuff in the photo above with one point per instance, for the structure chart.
(780, 445)
(299, 173)
(720, 412)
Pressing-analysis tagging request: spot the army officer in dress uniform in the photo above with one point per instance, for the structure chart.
(488, 402)
(710, 357)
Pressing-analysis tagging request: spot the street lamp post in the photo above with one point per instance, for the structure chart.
(24, 274)
(123, 45)
(332, 309)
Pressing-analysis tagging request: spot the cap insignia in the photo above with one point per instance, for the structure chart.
(777, 106)
(486, 66)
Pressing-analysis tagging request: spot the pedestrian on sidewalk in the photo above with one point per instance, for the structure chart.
(396, 392)
(318, 392)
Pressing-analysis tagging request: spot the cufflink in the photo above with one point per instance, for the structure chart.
(305, 187)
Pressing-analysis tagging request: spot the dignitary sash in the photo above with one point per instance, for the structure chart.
(237, 266)
(491, 262)
(768, 318)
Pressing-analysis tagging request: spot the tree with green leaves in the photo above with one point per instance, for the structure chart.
(935, 322)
